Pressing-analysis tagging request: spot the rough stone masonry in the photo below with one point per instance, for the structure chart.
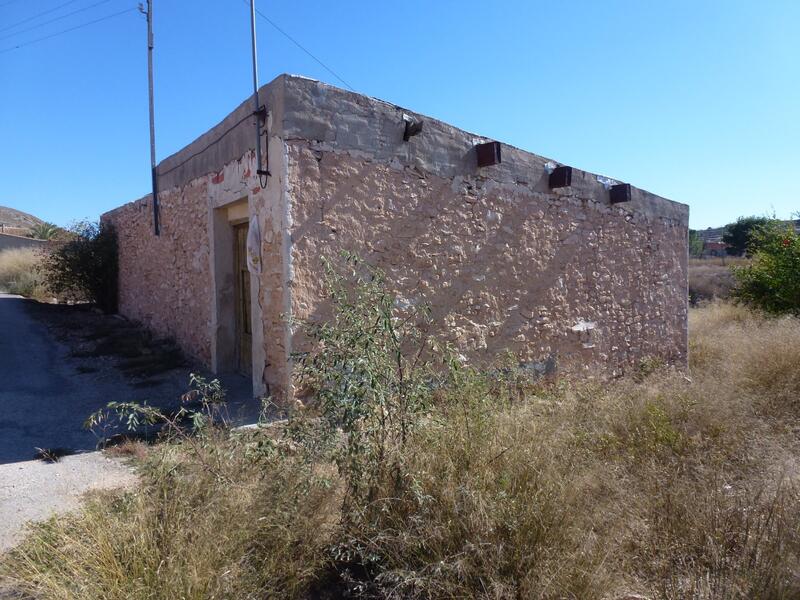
(562, 277)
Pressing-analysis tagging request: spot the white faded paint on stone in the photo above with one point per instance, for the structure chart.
(582, 325)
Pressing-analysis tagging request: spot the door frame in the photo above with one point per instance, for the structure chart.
(242, 296)
(222, 219)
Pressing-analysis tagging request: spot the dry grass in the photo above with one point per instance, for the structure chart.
(719, 261)
(128, 448)
(668, 487)
(749, 357)
(19, 272)
(665, 486)
(212, 524)
(712, 278)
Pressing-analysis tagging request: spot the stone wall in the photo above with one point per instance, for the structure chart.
(556, 276)
(164, 280)
(553, 278)
(180, 283)
(8, 242)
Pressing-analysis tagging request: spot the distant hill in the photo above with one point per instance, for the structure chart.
(15, 221)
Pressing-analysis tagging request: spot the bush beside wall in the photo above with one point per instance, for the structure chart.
(771, 282)
(85, 267)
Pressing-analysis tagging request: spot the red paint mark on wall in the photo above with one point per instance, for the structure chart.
(219, 177)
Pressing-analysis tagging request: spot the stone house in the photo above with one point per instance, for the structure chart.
(511, 251)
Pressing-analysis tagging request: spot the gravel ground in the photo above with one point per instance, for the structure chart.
(34, 490)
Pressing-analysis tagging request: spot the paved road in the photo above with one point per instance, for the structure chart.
(43, 401)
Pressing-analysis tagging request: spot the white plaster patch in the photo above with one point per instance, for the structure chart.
(607, 181)
(405, 303)
(582, 325)
(493, 217)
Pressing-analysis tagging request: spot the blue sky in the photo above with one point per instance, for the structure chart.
(698, 101)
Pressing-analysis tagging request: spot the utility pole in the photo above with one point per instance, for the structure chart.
(153, 174)
(259, 112)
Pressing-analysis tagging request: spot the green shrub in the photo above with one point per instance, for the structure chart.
(771, 282)
(695, 244)
(739, 235)
(86, 266)
(369, 376)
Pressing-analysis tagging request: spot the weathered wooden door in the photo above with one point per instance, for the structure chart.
(244, 334)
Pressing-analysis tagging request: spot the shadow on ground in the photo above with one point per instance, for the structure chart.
(59, 364)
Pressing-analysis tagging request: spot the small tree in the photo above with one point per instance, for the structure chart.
(86, 266)
(369, 372)
(738, 235)
(45, 231)
(772, 281)
(695, 244)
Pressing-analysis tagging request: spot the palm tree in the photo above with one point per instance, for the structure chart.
(44, 231)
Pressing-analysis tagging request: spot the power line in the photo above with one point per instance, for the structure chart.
(206, 147)
(7, 3)
(43, 23)
(57, 33)
(303, 48)
(36, 16)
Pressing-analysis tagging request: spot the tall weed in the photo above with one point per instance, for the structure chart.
(369, 375)
(20, 272)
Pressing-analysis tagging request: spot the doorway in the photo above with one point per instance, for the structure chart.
(244, 335)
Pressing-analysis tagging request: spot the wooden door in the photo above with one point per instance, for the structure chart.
(244, 334)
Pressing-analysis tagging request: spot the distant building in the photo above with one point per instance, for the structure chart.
(715, 249)
(713, 246)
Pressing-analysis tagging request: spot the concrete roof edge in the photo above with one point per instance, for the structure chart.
(121, 207)
(672, 208)
(230, 139)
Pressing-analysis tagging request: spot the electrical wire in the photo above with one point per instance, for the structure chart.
(43, 23)
(303, 48)
(206, 147)
(57, 33)
(36, 16)
(248, 116)
(7, 3)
